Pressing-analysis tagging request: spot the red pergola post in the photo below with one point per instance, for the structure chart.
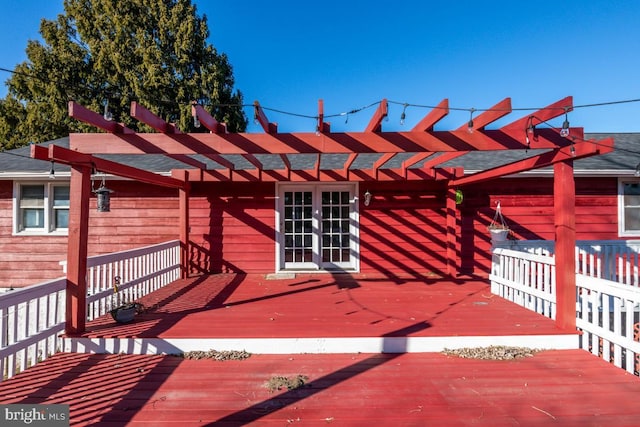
(564, 198)
(452, 232)
(184, 227)
(76, 295)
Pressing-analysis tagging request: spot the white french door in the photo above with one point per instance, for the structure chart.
(317, 227)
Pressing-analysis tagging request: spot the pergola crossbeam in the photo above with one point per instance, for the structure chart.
(574, 152)
(143, 115)
(65, 156)
(261, 117)
(375, 125)
(549, 112)
(433, 117)
(207, 120)
(92, 118)
(490, 115)
(322, 127)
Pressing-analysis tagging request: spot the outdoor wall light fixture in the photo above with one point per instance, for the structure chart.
(367, 198)
(470, 124)
(103, 195)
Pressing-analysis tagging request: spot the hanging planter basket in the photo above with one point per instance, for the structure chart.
(498, 228)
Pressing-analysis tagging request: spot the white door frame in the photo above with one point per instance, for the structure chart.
(317, 188)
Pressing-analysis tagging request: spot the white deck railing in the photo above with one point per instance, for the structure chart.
(615, 260)
(607, 297)
(32, 319)
(526, 279)
(136, 273)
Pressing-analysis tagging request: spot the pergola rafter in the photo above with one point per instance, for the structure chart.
(423, 140)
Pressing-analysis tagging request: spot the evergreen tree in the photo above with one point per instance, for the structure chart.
(113, 52)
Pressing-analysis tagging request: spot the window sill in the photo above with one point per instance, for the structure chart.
(26, 233)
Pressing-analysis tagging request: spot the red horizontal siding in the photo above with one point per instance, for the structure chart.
(232, 227)
(403, 230)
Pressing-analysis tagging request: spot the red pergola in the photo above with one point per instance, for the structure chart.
(423, 141)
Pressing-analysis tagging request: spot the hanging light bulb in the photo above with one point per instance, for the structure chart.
(470, 124)
(107, 114)
(564, 132)
(52, 172)
(403, 115)
(196, 122)
(531, 129)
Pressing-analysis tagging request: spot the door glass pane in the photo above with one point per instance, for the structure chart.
(335, 227)
(298, 227)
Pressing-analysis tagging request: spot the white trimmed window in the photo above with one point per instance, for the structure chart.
(41, 208)
(629, 207)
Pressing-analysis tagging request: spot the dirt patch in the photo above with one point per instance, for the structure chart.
(290, 383)
(216, 355)
(494, 352)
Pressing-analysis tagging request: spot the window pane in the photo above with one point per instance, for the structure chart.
(61, 196)
(33, 218)
(632, 219)
(308, 197)
(32, 196)
(61, 218)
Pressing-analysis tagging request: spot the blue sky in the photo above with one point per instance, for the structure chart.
(288, 54)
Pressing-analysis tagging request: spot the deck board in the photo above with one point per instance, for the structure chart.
(245, 306)
(557, 387)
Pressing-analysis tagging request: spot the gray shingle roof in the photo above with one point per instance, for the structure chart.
(624, 159)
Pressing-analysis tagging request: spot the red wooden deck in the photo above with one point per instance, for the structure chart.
(244, 306)
(559, 387)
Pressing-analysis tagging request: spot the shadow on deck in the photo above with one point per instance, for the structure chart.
(321, 313)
